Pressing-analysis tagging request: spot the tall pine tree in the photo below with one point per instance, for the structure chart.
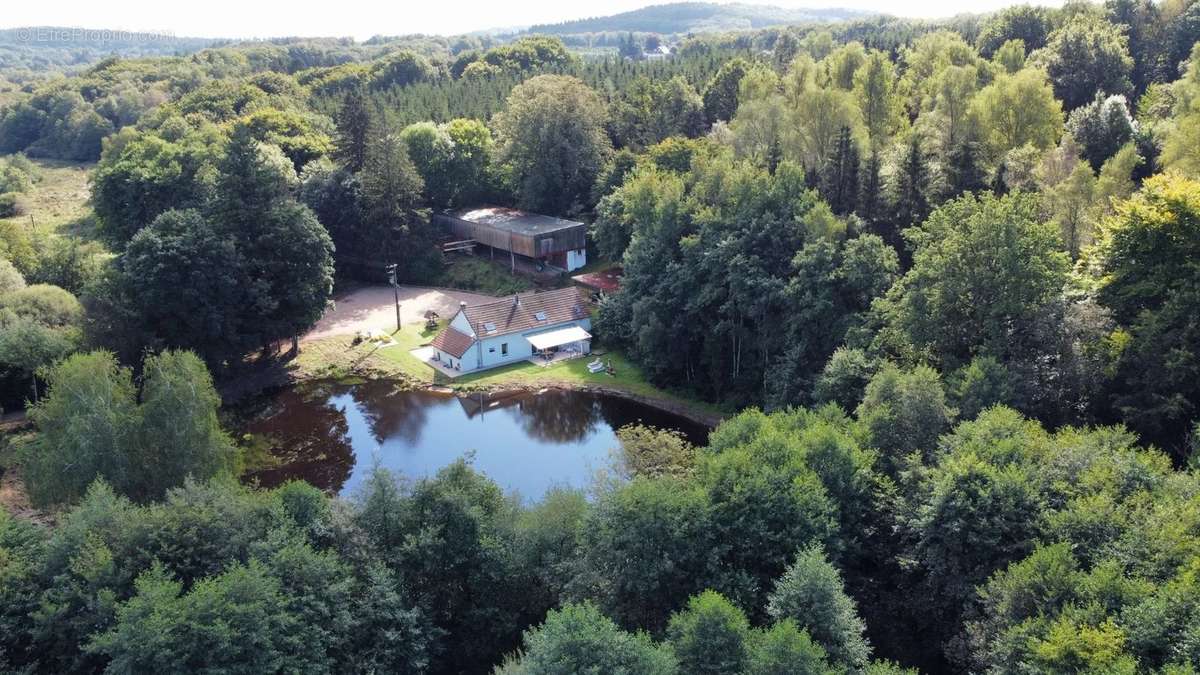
(963, 172)
(910, 203)
(353, 131)
(871, 206)
(839, 175)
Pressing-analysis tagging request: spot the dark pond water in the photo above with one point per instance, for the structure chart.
(332, 434)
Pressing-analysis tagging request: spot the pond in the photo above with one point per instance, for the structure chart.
(332, 434)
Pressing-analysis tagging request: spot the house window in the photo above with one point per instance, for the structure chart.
(491, 350)
(504, 349)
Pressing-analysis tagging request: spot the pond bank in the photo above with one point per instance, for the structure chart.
(337, 357)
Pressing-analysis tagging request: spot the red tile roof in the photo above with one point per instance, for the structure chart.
(519, 313)
(453, 342)
(608, 281)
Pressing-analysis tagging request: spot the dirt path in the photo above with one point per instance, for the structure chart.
(373, 308)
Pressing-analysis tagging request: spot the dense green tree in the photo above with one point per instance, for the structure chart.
(94, 423)
(814, 122)
(299, 135)
(335, 195)
(839, 175)
(354, 126)
(1028, 23)
(449, 540)
(1018, 109)
(909, 191)
(876, 88)
(188, 281)
(389, 634)
(785, 649)
(85, 426)
(39, 325)
(710, 636)
(395, 227)
(428, 148)
(1147, 285)
(650, 111)
(976, 511)
(140, 175)
(178, 434)
(651, 452)
(469, 170)
(844, 378)
(963, 169)
(946, 309)
(453, 160)
(1102, 127)
(871, 204)
(979, 385)
(904, 413)
(401, 69)
(579, 639)
(811, 594)
(1084, 56)
(27, 346)
(721, 93)
(551, 135)
(231, 623)
(1010, 56)
(647, 547)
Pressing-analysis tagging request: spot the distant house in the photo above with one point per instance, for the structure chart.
(657, 53)
(555, 241)
(514, 329)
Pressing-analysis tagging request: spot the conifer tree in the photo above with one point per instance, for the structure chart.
(870, 206)
(910, 205)
(963, 173)
(839, 175)
(353, 130)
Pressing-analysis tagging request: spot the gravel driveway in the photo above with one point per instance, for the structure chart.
(372, 308)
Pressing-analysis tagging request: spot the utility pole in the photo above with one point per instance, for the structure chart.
(391, 271)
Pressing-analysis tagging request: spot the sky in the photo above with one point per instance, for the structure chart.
(361, 19)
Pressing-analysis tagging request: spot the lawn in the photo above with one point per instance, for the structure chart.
(336, 357)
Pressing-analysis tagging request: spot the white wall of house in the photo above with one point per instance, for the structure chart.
(576, 259)
(461, 324)
(491, 352)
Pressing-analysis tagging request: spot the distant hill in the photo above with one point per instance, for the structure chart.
(40, 48)
(696, 17)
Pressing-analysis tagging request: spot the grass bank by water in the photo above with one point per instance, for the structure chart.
(338, 357)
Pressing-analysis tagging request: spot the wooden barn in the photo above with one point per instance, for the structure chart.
(558, 242)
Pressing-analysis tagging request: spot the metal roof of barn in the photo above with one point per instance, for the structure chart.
(513, 220)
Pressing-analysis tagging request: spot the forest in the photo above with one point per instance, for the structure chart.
(941, 276)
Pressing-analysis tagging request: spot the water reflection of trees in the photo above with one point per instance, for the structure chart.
(618, 412)
(393, 413)
(557, 416)
(310, 440)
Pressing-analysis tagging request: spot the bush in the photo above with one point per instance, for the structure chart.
(11, 205)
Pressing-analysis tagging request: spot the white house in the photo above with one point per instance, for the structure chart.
(513, 329)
